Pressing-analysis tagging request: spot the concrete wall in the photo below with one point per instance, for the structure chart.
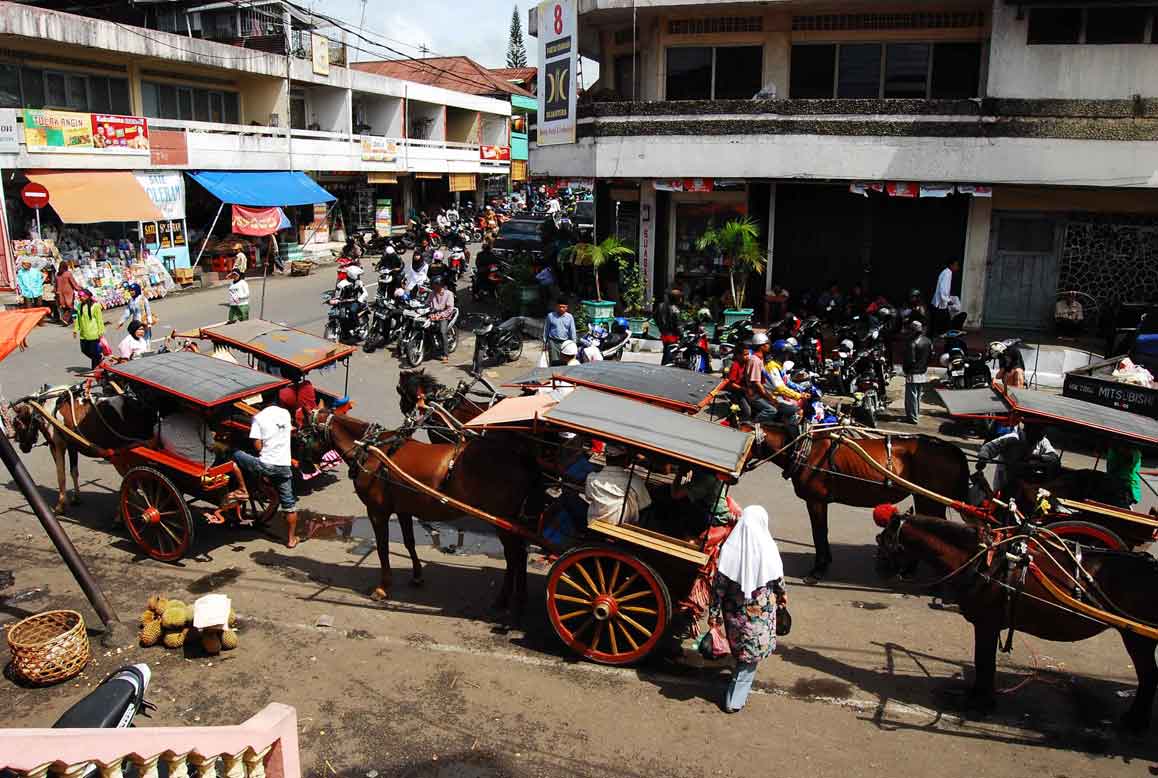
(976, 262)
(434, 128)
(1068, 71)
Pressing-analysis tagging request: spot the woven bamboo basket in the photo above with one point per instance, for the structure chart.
(49, 647)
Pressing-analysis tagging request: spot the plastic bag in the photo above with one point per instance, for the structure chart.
(106, 349)
(713, 643)
(543, 360)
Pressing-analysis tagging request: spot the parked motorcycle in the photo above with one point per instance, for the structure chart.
(497, 342)
(421, 334)
(385, 317)
(346, 322)
(488, 280)
(692, 351)
(113, 704)
(612, 342)
(965, 369)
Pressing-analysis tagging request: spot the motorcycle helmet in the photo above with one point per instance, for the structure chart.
(437, 280)
(389, 250)
(793, 342)
(846, 345)
(133, 288)
(783, 347)
(758, 339)
(437, 256)
(598, 333)
(353, 272)
(914, 293)
(569, 348)
(944, 360)
(621, 323)
(996, 348)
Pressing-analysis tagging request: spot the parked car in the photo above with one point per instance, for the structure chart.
(521, 234)
(584, 220)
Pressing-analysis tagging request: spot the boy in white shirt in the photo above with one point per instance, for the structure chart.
(270, 430)
(238, 297)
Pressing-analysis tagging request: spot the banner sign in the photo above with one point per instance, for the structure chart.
(61, 131)
(384, 217)
(320, 51)
(256, 221)
(9, 132)
(166, 190)
(558, 62)
(495, 153)
(685, 185)
(379, 150)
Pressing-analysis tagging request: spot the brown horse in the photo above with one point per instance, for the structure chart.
(832, 472)
(463, 402)
(1122, 583)
(468, 471)
(106, 422)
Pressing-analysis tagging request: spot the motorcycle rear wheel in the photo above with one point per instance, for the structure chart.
(451, 340)
(512, 350)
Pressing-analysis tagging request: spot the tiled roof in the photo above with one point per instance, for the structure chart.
(462, 74)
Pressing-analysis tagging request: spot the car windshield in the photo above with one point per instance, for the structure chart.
(515, 229)
(585, 211)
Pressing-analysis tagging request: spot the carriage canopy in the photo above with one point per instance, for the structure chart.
(681, 390)
(277, 344)
(196, 378)
(1054, 409)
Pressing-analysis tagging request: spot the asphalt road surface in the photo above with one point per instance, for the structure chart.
(429, 684)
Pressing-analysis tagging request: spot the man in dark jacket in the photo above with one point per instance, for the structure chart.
(918, 349)
(667, 316)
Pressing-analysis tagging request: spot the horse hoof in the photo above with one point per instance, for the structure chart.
(378, 594)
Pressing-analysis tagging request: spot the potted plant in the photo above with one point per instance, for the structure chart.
(596, 255)
(522, 295)
(631, 294)
(737, 241)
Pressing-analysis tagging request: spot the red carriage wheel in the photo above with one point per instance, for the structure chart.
(1088, 534)
(156, 514)
(606, 605)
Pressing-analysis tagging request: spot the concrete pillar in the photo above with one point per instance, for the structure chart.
(771, 237)
(647, 222)
(976, 260)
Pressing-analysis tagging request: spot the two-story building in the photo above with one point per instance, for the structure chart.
(875, 143)
(114, 101)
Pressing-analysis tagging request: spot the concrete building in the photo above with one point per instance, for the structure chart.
(230, 106)
(874, 144)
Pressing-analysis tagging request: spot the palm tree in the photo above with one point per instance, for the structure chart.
(596, 255)
(737, 242)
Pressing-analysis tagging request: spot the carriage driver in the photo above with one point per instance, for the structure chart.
(270, 431)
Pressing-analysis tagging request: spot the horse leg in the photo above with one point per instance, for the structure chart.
(1141, 650)
(519, 581)
(406, 524)
(981, 696)
(58, 457)
(381, 523)
(74, 466)
(818, 515)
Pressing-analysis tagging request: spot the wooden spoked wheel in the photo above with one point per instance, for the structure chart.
(262, 504)
(606, 605)
(155, 512)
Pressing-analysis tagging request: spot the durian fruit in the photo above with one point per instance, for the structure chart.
(174, 617)
(232, 618)
(152, 601)
(229, 639)
(211, 641)
(158, 603)
(150, 633)
(176, 639)
(147, 615)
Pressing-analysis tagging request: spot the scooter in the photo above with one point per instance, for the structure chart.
(498, 341)
(113, 704)
(487, 281)
(420, 333)
(347, 319)
(965, 369)
(385, 317)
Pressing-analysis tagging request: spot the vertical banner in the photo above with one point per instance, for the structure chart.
(558, 63)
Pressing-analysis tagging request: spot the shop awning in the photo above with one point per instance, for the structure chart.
(263, 189)
(97, 196)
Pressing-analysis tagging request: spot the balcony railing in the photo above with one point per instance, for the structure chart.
(265, 746)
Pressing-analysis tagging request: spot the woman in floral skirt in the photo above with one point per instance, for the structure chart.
(749, 585)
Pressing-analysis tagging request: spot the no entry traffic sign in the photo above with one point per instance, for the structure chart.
(34, 195)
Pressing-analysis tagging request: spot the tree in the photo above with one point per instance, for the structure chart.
(516, 49)
(736, 241)
(595, 255)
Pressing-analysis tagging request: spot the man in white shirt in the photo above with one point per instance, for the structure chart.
(943, 297)
(414, 274)
(271, 430)
(442, 311)
(615, 494)
(554, 206)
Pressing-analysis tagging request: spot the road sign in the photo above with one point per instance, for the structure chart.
(34, 196)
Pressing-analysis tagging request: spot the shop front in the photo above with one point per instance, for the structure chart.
(365, 202)
(431, 192)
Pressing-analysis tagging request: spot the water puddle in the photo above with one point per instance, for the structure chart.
(463, 536)
(869, 606)
(810, 688)
(214, 581)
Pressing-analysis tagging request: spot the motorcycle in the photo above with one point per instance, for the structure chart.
(498, 341)
(385, 318)
(733, 335)
(487, 280)
(965, 369)
(810, 346)
(692, 352)
(113, 704)
(419, 333)
(611, 345)
(347, 319)
(867, 398)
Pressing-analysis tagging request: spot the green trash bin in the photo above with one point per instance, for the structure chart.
(734, 315)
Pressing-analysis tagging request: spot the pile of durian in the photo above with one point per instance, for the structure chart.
(170, 622)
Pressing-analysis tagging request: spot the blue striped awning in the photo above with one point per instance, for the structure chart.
(264, 190)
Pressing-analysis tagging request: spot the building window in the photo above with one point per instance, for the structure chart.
(889, 70)
(714, 73)
(715, 25)
(39, 88)
(10, 87)
(1100, 25)
(165, 101)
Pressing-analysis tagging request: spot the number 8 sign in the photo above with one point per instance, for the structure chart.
(558, 19)
(558, 66)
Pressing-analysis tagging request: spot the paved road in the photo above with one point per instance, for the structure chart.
(429, 685)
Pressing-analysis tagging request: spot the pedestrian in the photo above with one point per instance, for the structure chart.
(1010, 364)
(240, 260)
(134, 343)
(558, 328)
(270, 432)
(669, 321)
(748, 588)
(88, 326)
(1123, 476)
(30, 284)
(918, 350)
(943, 298)
(138, 308)
(238, 297)
(66, 289)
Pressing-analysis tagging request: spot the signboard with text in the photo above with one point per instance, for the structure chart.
(166, 190)
(495, 153)
(379, 150)
(63, 131)
(558, 62)
(9, 132)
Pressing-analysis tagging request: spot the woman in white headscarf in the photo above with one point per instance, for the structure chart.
(749, 585)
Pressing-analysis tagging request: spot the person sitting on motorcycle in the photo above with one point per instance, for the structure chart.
(915, 308)
(769, 403)
(620, 331)
(415, 274)
(667, 316)
(452, 214)
(358, 290)
(441, 221)
(442, 310)
(783, 389)
(736, 386)
(589, 347)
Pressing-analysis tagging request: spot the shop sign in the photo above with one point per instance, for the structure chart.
(168, 147)
(9, 132)
(381, 178)
(178, 229)
(34, 195)
(62, 131)
(256, 221)
(558, 62)
(320, 51)
(495, 153)
(685, 185)
(149, 233)
(379, 150)
(166, 190)
(384, 217)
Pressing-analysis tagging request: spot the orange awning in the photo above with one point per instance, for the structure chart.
(15, 326)
(97, 196)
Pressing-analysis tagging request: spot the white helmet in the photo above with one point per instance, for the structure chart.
(997, 348)
(846, 345)
(353, 272)
(758, 339)
(793, 342)
(438, 256)
(944, 359)
(569, 348)
(390, 250)
(342, 285)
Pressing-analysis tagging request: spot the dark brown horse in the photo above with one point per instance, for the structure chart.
(832, 472)
(470, 471)
(464, 402)
(106, 422)
(1122, 583)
